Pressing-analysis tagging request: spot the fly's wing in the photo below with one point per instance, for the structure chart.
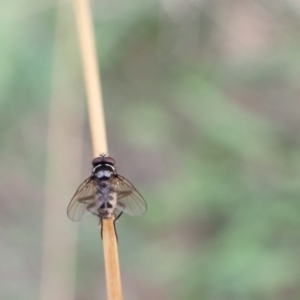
(129, 199)
(83, 197)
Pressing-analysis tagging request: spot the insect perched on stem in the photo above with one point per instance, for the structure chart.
(105, 194)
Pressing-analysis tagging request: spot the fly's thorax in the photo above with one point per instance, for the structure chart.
(104, 171)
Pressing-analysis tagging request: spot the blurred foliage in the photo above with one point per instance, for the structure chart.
(202, 112)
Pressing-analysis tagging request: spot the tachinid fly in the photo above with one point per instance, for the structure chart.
(105, 193)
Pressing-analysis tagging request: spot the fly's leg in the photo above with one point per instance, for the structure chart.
(93, 207)
(83, 199)
(101, 225)
(118, 216)
(123, 194)
(121, 207)
(115, 220)
(115, 231)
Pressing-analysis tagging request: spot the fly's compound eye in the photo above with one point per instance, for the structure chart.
(109, 160)
(102, 159)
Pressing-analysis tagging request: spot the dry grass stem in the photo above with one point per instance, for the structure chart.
(59, 234)
(98, 133)
(91, 75)
(111, 260)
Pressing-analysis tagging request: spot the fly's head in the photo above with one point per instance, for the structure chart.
(103, 167)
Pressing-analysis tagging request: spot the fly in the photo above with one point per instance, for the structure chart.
(105, 194)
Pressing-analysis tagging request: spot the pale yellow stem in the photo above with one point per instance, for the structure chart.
(98, 133)
(91, 75)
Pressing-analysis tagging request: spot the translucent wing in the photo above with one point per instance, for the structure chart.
(130, 200)
(82, 198)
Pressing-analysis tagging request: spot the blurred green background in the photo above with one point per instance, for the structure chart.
(202, 110)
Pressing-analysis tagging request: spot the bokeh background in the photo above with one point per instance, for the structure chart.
(202, 111)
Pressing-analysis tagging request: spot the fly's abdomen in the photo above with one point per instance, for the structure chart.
(108, 204)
